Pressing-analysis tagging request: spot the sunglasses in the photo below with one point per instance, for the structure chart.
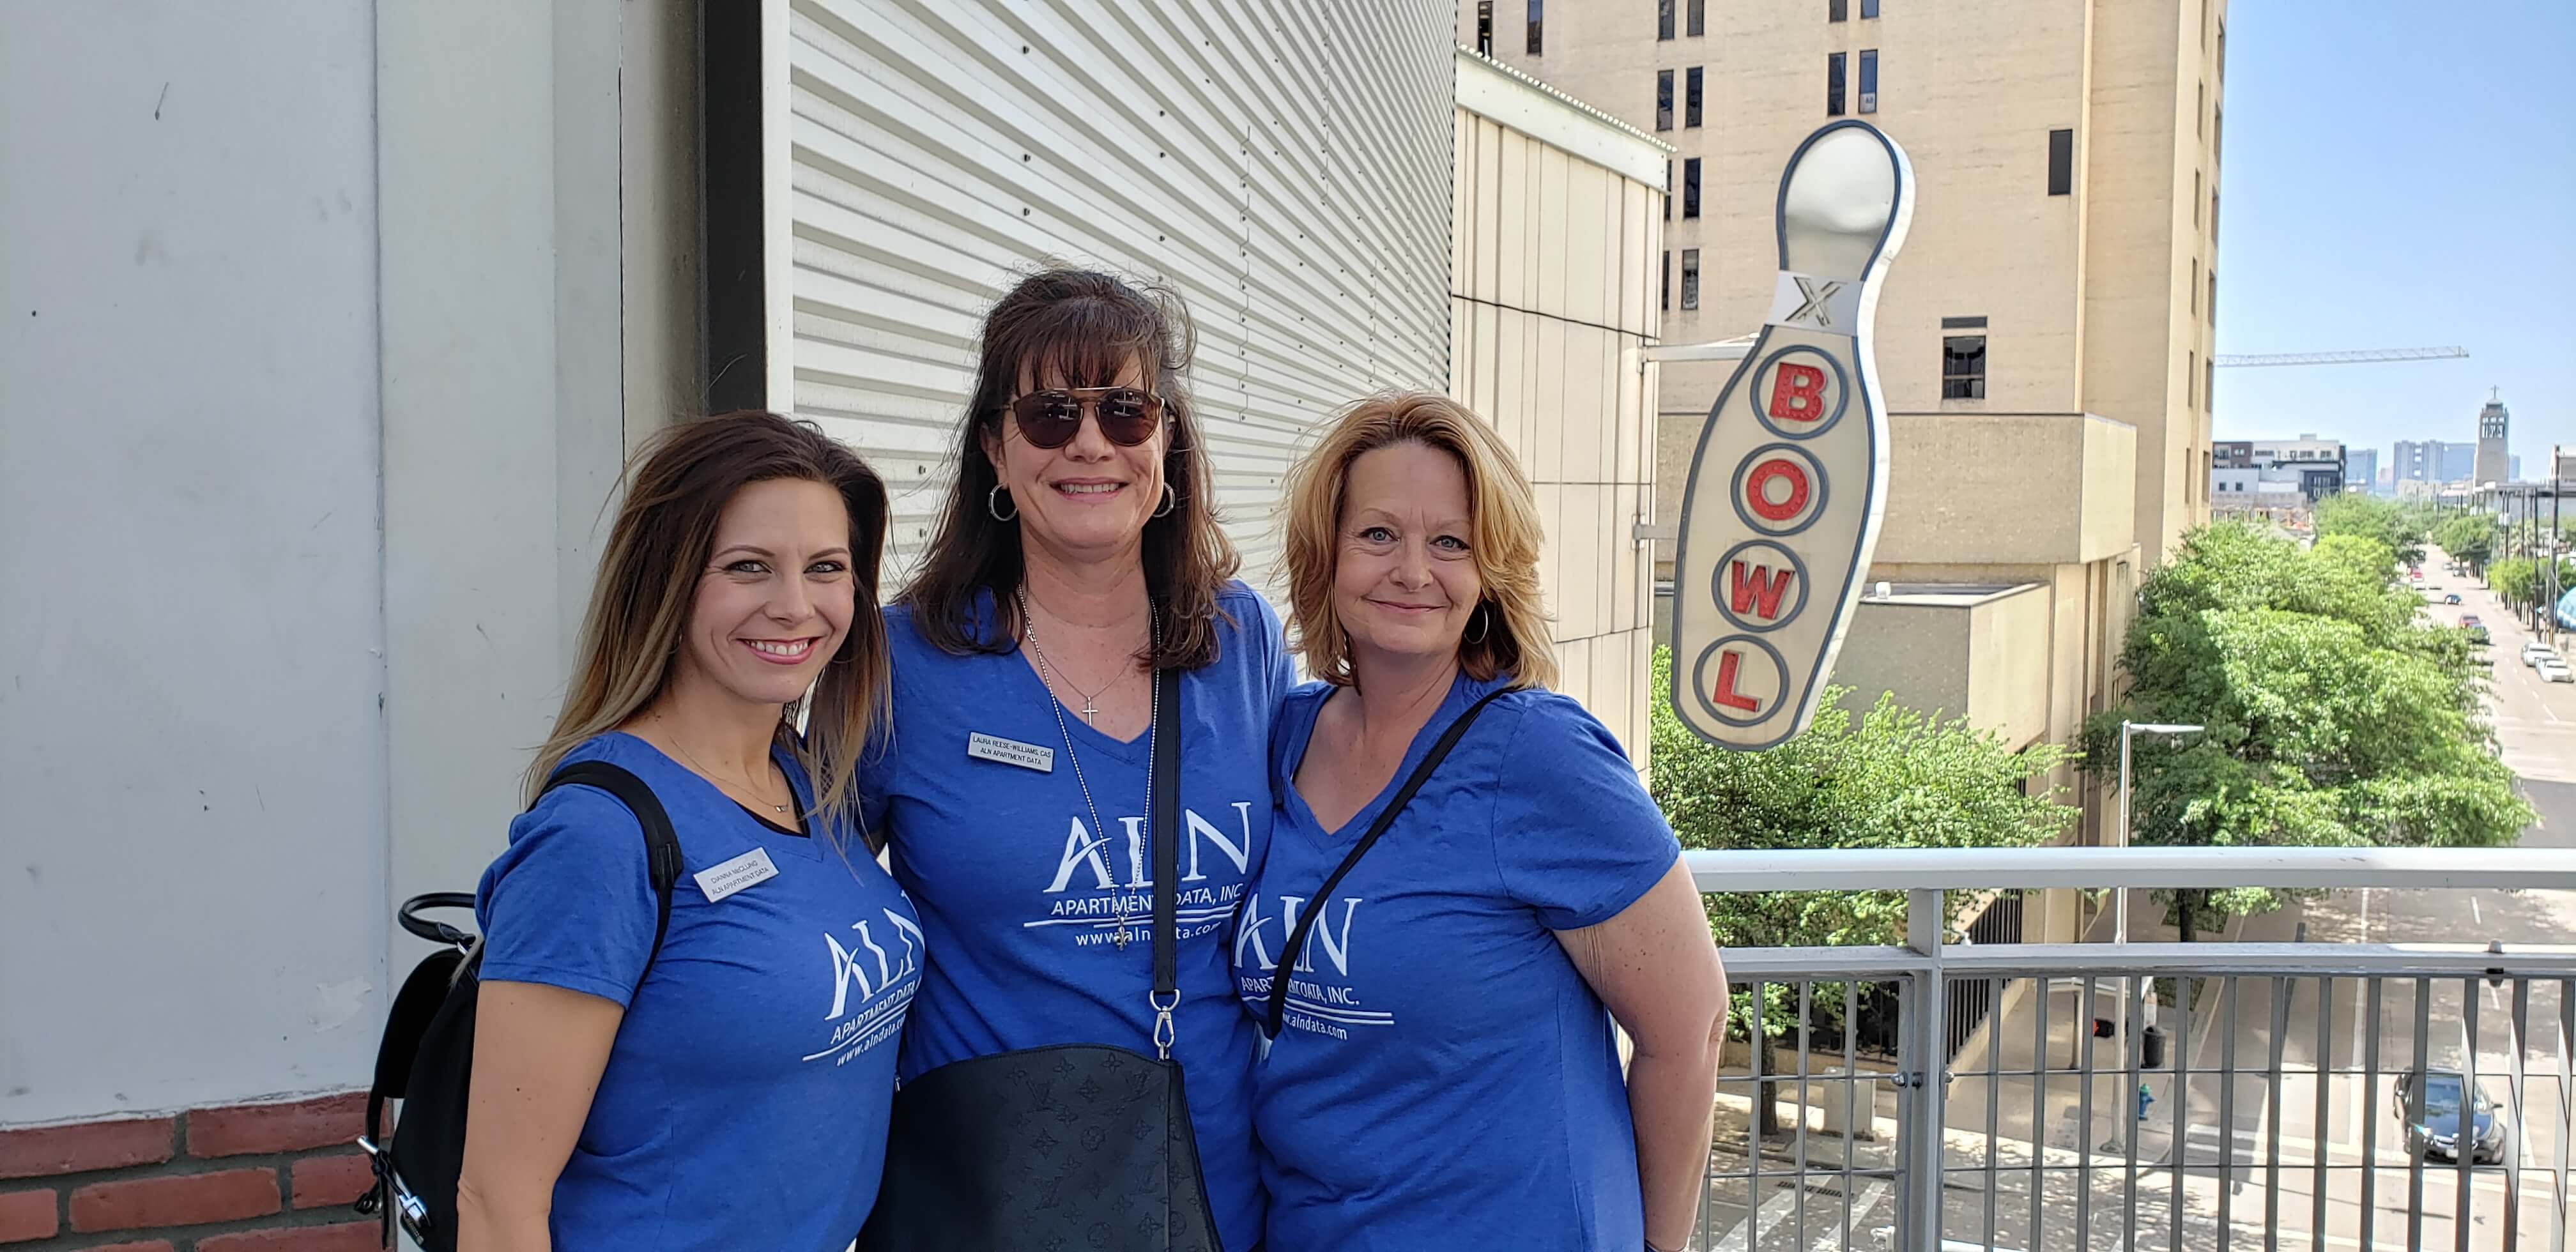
(1050, 419)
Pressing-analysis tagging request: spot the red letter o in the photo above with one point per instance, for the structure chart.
(1762, 475)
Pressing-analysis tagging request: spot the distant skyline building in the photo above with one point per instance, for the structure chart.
(2361, 469)
(2431, 461)
(2494, 425)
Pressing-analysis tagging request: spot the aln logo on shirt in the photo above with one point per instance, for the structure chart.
(883, 979)
(1325, 1003)
(1098, 889)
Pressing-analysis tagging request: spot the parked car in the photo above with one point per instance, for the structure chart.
(2533, 650)
(2554, 670)
(2438, 1134)
(2453, 598)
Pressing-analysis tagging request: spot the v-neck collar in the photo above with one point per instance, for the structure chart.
(1463, 691)
(769, 836)
(1081, 735)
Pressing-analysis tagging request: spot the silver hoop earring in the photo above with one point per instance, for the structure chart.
(1169, 500)
(993, 505)
(1480, 619)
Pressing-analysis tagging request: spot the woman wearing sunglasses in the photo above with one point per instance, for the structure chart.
(1077, 556)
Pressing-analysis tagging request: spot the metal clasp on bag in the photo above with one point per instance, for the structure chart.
(1163, 1021)
(408, 1211)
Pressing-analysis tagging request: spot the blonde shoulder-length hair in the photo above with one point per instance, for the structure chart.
(1509, 632)
(665, 534)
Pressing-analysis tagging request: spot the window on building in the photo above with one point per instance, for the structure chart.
(2200, 110)
(1691, 97)
(1485, 27)
(1698, 17)
(1690, 278)
(2213, 217)
(1869, 80)
(2213, 295)
(1963, 367)
(2195, 286)
(1869, 8)
(2222, 50)
(2190, 378)
(1537, 22)
(1663, 19)
(1663, 99)
(2061, 162)
(1668, 280)
(2209, 385)
(1690, 187)
(1837, 10)
(2195, 199)
(1834, 85)
(2217, 133)
(1668, 189)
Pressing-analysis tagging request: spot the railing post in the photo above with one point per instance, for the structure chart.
(1925, 1076)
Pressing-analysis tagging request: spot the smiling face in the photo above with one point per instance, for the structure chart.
(775, 600)
(1088, 500)
(1405, 580)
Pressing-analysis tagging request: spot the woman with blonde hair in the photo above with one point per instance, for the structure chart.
(719, 1076)
(1464, 872)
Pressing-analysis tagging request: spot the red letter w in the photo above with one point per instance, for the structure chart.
(1760, 592)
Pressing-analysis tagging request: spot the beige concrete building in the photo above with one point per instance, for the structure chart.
(1557, 216)
(2044, 340)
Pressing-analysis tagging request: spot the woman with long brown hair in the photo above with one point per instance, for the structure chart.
(1078, 564)
(722, 1079)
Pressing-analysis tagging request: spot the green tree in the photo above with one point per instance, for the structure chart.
(2467, 537)
(2399, 528)
(1890, 778)
(2336, 715)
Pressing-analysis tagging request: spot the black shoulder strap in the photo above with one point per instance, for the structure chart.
(1164, 825)
(661, 843)
(1385, 818)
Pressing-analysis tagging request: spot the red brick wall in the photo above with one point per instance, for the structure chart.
(246, 1178)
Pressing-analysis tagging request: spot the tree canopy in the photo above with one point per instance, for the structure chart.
(2336, 714)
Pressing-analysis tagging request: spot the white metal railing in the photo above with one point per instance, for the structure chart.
(2182, 1194)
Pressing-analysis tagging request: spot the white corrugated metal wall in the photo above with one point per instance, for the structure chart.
(1284, 163)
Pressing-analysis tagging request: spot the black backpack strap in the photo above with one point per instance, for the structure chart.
(661, 843)
(1385, 818)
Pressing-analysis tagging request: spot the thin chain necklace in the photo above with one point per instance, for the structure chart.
(1090, 699)
(1154, 710)
(719, 779)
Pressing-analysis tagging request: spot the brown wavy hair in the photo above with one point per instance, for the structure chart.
(1086, 327)
(677, 489)
(1502, 510)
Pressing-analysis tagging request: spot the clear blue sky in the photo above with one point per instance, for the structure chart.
(2400, 174)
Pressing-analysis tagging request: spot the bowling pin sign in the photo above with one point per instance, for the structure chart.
(1782, 509)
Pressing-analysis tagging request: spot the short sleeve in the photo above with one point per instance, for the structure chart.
(570, 904)
(1576, 837)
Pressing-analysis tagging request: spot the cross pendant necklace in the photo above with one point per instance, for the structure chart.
(1090, 711)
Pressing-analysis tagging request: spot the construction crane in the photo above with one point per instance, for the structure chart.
(2342, 358)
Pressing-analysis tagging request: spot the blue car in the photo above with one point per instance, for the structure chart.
(2438, 1134)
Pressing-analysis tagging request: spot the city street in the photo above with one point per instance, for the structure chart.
(2295, 1156)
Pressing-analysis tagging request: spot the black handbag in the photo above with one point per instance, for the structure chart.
(1076, 1146)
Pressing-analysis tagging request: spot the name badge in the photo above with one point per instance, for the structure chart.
(1010, 752)
(750, 868)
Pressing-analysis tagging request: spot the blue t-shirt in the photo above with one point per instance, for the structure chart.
(1445, 1077)
(746, 1098)
(1021, 898)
